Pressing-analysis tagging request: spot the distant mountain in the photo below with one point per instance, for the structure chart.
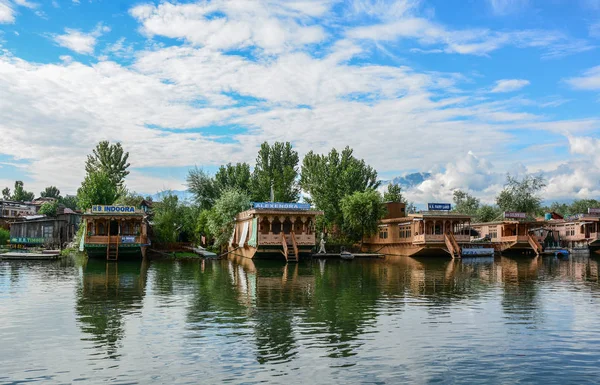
(181, 194)
(408, 180)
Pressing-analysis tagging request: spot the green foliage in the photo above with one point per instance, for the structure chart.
(203, 187)
(6, 194)
(49, 208)
(276, 166)
(393, 194)
(129, 198)
(109, 159)
(521, 195)
(97, 189)
(362, 212)
(329, 178)
(69, 201)
(4, 236)
(578, 206)
(168, 218)
(19, 194)
(487, 213)
(233, 176)
(51, 192)
(221, 218)
(465, 203)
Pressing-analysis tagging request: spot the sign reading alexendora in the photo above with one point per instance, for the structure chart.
(102, 209)
(281, 205)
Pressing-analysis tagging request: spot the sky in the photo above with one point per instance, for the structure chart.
(465, 90)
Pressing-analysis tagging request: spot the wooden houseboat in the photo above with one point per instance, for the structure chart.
(45, 231)
(113, 232)
(577, 232)
(431, 233)
(274, 230)
(512, 236)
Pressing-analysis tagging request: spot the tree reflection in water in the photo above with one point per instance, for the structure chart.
(107, 294)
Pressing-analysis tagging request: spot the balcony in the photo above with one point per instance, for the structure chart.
(275, 239)
(114, 239)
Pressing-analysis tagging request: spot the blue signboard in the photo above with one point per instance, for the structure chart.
(127, 239)
(439, 206)
(281, 205)
(97, 209)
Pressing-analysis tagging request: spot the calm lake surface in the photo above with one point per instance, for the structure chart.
(495, 320)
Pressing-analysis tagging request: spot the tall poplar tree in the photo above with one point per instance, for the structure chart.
(277, 166)
(110, 159)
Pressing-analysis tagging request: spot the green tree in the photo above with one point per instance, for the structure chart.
(4, 236)
(276, 166)
(6, 195)
(329, 178)
(362, 212)
(20, 194)
(221, 219)
(203, 187)
(97, 189)
(233, 176)
(487, 213)
(521, 195)
(202, 225)
(129, 198)
(464, 203)
(393, 194)
(168, 218)
(51, 192)
(69, 201)
(110, 159)
(49, 208)
(581, 206)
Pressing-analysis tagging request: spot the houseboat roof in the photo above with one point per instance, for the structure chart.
(508, 222)
(439, 214)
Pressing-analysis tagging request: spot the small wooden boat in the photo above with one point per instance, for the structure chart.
(562, 253)
(346, 255)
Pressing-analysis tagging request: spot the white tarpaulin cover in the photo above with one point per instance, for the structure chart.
(244, 234)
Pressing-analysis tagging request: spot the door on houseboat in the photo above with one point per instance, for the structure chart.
(587, 230)
(114, 228)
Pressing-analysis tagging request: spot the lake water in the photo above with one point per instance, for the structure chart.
(496, 320)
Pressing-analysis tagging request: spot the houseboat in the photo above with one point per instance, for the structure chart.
(431, 233)
(577, 232)
(274, 230)
(44, 231)
(512, 235)
(114, 232)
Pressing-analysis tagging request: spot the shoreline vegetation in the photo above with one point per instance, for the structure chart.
(344, 187)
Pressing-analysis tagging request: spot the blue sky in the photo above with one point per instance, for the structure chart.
(466, 90)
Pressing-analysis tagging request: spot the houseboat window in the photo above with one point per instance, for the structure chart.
(264, 226)
(383, 233)
(494, 233)
(299, 226)
(438, 229)
(309, 227)
(287, 226)
(101, 229)
(47, 231)
(276, 226)
(137, 229)
(125, 228)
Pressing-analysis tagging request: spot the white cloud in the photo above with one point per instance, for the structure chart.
(270, 25)
(81, 42)
(7, 13)
(26, 3)
(469, 41)
(505, 7)
(589, 81)
(594, 30)
(509, 85)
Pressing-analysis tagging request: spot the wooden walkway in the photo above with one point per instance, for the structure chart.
(357, 255)
(29, 256)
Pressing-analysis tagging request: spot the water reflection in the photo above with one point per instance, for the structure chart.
(331, 321)
(107, 294)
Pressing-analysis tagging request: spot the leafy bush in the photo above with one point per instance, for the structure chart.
(4, 236)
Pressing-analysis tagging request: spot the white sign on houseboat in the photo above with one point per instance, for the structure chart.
(439, 206)
(515, 215)
(595, 211)
(105, 209)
